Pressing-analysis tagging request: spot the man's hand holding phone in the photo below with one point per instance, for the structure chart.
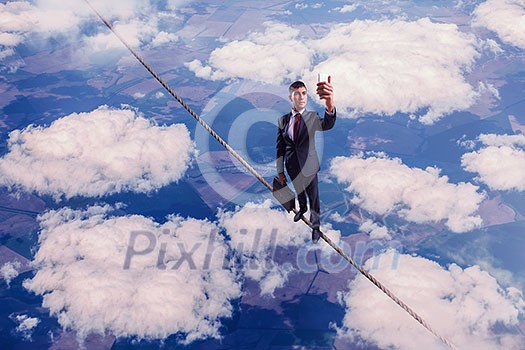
(325, 90)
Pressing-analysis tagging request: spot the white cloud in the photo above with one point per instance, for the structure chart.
(23, 17)
(19, 18)
(97, 153)
(273, 56)
(130, 276)
(175, 4)
(304, 6)
(384, 186)
(381, 67)
(393, 66)
(9, 271)
(26, 325)
(375, 230)
(52, 18)
(348, 8)
(301, 6)
(10, 39)
(500, 164)
(256, 231)
(336, 217)
(163, 38)
(505, 17)
(502, 140)
(466, 306)
(6, 53)
(135, 32)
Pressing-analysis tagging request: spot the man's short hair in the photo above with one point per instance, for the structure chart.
(296, 85)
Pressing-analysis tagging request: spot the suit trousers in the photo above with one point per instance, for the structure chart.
(307, 186)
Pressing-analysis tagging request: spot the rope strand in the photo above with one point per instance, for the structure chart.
(327, 239)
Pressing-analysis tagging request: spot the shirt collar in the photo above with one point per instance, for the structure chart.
(294, 111)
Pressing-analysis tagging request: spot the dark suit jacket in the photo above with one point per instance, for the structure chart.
(301, 155)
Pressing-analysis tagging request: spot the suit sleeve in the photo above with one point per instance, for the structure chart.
(328, 121)
(280, 147)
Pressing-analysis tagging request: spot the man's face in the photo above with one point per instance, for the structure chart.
(299, 98)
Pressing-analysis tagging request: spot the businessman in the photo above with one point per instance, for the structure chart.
(296, 147)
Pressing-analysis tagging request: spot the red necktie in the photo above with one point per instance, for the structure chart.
(296, 126)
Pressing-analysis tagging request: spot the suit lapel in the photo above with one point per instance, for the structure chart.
(287, 124)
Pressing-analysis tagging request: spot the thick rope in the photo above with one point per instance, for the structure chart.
(327, 239)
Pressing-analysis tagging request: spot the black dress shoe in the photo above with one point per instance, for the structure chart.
(316, 234)
(300, 213)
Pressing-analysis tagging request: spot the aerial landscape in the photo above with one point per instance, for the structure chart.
(125, 225)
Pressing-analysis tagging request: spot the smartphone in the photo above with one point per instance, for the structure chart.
(322, 77)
